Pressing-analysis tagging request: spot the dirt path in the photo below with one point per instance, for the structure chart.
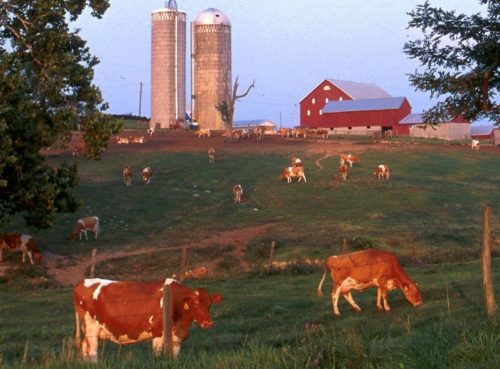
(68, 271)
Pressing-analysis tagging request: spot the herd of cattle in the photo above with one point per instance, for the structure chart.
(129, 312)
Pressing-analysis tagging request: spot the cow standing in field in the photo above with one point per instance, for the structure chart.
(348, 158)
(83, 225)
(474, 145)
(364, 269)
(211, 155)
(237, 193)
(151, 131)
(382, 171)
(203, 132)
(147, 173)
(127, 176)
(293, 172)
(343, 169)
(130, 312)
(21, 243)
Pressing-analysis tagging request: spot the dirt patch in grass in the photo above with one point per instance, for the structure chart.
(68, 271)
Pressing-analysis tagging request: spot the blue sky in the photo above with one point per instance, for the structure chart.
(287, 47)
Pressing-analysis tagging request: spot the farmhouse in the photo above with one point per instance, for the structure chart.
(353, 108)
(454, 129)
(269, 126)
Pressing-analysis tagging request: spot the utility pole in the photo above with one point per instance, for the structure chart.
(140, 98)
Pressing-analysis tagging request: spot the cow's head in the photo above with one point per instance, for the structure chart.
(75, 232)
(196, 307)
(37, 256)
(412, 293)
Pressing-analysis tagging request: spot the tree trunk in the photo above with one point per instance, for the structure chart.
(486, 263)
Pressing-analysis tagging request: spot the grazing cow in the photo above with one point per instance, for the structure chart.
(203, 132)
(323, 133)
(151, 131)
(382, 171)
(364, 269)
(200, 272)
(20, 242)
(348, 158)
(296, 162)
(293, 172)
(83, 225)
(474, 145)
(127, 176)
(137, 139)
(211, 155)
(343, 169)
(237, 192)
(122, 140)
(130, 312)
(147, 173)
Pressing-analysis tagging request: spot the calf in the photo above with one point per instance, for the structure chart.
(348, 158)
(83, 225)
(211, 155)
(196, 273)
(22, 243)
(364, 269)
(131, 312)
(237, 192)
(343, 169)
(293, 172)
(137, 139)
(203, 132)
(382, 171)
(122, 140)
(147, 173)
(475, 145)
(127, 176)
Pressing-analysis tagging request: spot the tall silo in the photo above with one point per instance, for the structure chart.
(168, 66)
(210, 66)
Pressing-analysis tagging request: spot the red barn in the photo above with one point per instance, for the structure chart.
(353, 107)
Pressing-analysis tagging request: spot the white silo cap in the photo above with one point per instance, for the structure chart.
(212, 16)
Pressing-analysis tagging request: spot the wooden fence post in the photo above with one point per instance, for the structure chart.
(183, 263)
(344, 244)
(92, 263)
(271, 254)
(486, 263)
(167, 320)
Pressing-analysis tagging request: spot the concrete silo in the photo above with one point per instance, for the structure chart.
(168, 66)
(210, 66)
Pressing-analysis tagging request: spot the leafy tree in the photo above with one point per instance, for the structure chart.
(46, 91)
(226, 107)
(460, 55)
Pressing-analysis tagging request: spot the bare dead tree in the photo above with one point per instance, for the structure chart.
(226, 107)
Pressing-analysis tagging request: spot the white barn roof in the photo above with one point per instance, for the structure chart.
(253, 123)
(386, 103)
(359, 91)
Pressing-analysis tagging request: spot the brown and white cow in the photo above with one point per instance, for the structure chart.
(343, 169)
(364, 269)
(203, 132)
(474, 145)
(122, 140)
(137, 139)
(293, 172)
(151, 131)
(296, 162)
(211, 155)
(83, 225)
(196, 273)
(382, 171)
(130, 312)
(147, 173)
(127, 176)
(237, 193)
(21, 243)
(348, 158)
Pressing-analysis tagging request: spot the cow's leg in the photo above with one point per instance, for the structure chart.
(1, 253)
(335, 300)
(304, 176)
(379, 299)
(383, 292)
(348, 297)
(23, 258)
(157, 345)
(30, 255)
(90, 343)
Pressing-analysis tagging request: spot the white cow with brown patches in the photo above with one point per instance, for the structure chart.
(237, 192)
(17, 242)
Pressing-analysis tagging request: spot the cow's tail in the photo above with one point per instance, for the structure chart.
(320, 286)
(78, 338)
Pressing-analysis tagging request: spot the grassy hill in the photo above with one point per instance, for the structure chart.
(428, 213)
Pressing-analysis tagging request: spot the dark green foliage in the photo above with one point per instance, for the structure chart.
(46, 92)
(460, 55)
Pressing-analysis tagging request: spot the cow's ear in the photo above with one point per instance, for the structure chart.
(216, 298)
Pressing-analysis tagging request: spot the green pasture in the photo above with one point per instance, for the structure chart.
(429, 213)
